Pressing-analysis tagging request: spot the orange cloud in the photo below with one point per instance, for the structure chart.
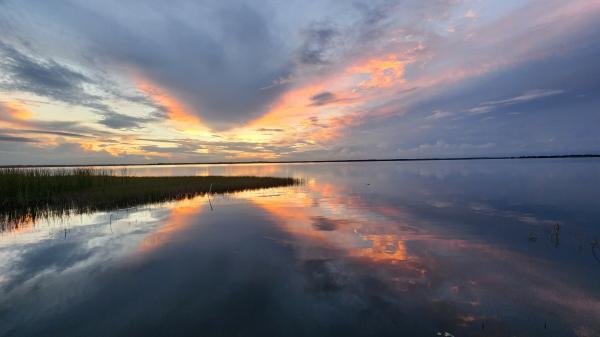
(177, 111)
(123, 145)
(293, 105)
(336, 126)
(382, 72)
(100, 146)
(301, 122)
(16, 110)
(304, 121)
(253, 155)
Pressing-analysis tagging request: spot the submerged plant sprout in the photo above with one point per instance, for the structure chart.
(27, 194)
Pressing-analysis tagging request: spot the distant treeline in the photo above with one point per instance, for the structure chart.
(320, 161)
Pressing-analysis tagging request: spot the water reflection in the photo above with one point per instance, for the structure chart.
(181, 216)
(34, 195)
(361, 249)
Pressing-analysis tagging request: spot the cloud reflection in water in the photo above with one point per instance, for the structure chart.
(361, 249)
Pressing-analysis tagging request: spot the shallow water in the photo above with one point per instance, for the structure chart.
(470, 248)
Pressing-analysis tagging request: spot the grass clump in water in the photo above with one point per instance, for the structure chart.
(27, 194)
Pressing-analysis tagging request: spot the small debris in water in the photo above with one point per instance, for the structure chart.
(555, 235)
(532, 237)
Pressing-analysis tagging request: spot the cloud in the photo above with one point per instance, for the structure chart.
(66, 128)
(437, 114)
(16, 119)
(219, 65)
(226, 62)
(5, 138)
(530, 95)
(525, 97)
(471, 14)
(270, 130)
(56, 133)
(61, 152)
(45, 78)
(334, 79)
(180, 149)
(119, 121)
(326, 98)
(445, 149)
(318, 40)
(481, 109)
(322, 98)
(46, 132)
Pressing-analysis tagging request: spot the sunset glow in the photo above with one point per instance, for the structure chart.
(404, 83)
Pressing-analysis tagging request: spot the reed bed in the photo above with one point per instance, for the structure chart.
(28, 194)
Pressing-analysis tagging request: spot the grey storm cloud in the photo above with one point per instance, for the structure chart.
(318, 41)
(326, 97)
(322, 98)
(120, 121)
(270, 130)
(46, 132)
(47, 78)
(5, 138)
(221, 65)
(63, 128)
(57, 128)
(226, 61)
(42, 77)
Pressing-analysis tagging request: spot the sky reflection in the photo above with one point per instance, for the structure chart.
(360, 249)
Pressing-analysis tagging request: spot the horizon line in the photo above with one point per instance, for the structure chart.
(313, 161)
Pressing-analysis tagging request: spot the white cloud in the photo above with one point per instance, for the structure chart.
(471, 14)
(531, 95)
(527, 96)
(437, 114)
(480, 109)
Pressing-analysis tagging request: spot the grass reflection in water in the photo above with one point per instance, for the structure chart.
(29, 194)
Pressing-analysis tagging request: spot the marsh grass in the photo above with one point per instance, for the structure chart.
(28, 194)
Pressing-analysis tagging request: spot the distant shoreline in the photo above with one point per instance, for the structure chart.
(316, 161)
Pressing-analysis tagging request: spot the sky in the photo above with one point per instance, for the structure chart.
(117, 81)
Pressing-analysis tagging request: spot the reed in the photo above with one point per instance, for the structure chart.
(27, 194)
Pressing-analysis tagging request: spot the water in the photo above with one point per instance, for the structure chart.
(362, 249)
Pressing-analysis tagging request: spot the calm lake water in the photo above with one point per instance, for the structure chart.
(468, 248)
